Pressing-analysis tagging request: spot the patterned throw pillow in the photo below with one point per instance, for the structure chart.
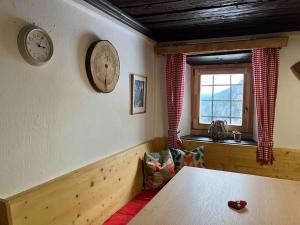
(159, 168)
(194, 158)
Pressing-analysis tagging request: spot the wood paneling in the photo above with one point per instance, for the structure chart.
(242, 159)
(208, 16)
(142, 8)
(3, 213)
(86, 196)
(190, 49)
(179, 20)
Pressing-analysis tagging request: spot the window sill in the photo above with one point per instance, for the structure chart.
(228, 141)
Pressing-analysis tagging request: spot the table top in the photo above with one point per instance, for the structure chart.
(199, 197)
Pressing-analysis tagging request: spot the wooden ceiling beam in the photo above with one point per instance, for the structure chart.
(233, 45)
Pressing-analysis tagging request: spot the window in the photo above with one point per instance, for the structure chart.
(222, 92)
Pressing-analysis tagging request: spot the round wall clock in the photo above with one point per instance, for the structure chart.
(35, 45)
(102, 66)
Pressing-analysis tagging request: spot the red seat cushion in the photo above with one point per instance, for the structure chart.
(127, 212)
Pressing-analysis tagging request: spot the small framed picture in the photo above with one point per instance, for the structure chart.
(138, 93)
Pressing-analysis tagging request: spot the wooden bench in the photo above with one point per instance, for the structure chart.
(90, 195)
(127, 212)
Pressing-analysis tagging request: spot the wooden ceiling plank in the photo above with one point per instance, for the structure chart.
(215, 14)
(194, 19)
(211, 12)
(181, 5)
(192, 49)
(228, 21)
(203, 33)
(135, 3)
(179, 37)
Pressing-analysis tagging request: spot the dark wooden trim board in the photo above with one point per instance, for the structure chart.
(118, 14)
(3, 213)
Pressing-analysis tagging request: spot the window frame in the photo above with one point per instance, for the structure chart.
(248, 97)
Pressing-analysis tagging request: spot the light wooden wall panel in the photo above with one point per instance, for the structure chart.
(231, 45)
(86, 196)
(242, 159)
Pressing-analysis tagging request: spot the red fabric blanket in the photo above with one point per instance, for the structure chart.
(127, 212)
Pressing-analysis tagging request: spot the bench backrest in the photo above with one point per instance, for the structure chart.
(86, 196)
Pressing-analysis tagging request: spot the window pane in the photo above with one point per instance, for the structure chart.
(206, 79)
(206, 108)
(206, 93)
(236, 92)
(205, 120)
(222, 79)
(222, 92)
(221, 109)
(221, 98)
(236, 109)
(236, 121)
(237, 78)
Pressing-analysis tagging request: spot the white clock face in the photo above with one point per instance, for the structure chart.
(38, 46)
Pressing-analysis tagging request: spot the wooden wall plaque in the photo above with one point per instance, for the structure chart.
(102, 66)
(296, 69)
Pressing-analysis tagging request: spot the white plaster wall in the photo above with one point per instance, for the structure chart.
(51, 120)
(185, 122)
(287, 119)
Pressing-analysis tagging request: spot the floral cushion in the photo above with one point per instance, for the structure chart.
(194, 158)
(159, 168)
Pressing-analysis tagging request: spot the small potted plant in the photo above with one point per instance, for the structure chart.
(237, 136)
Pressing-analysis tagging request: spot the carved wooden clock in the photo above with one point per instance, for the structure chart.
(102, 66)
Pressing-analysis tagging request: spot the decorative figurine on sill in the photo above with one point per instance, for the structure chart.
(237, 136)
(218, 130)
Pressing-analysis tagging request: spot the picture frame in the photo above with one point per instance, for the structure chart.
(138, 94)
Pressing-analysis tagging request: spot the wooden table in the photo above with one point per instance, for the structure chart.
(199, 197)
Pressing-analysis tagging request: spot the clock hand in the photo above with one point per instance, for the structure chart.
(40, 46)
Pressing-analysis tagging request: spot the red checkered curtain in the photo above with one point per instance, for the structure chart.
(265, 72)
(175, 71)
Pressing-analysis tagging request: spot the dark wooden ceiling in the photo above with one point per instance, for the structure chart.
(173, 20)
